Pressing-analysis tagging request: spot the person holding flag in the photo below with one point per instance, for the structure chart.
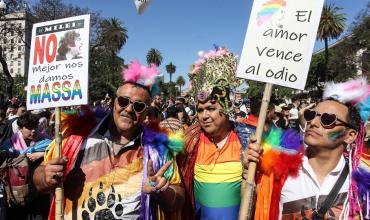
(119, 168)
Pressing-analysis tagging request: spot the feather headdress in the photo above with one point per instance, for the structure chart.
(356, 92)
(139, 74)
(214, 76)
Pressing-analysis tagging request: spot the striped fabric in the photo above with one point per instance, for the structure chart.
(171, 124)
(107, 185)
(217, 179)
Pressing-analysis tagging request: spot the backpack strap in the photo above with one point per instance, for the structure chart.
(317, 215)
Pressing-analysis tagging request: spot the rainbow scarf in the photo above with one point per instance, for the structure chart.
(279, 147)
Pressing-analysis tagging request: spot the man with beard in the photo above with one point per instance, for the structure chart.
(119, 171)
(211, 165)
(329, 178)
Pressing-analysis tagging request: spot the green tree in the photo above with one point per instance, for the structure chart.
(19, 86)
(154, 56)
(112, 35)
(359, 39)
(171, 69)
(180, 82)
(331, 26)
(105, 74)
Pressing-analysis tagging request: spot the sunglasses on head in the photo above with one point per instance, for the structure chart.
(138, 106)
(327, 120)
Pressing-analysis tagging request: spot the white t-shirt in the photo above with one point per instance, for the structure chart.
(302, 194)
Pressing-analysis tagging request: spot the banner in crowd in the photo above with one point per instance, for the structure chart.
(279, 41)
(58, 65)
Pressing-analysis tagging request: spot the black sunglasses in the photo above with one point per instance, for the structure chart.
(327, 120)
(138, 106)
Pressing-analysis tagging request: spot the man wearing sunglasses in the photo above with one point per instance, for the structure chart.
(321, 188)
(118, 173)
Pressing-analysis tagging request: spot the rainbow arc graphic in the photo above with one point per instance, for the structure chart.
(269, 9)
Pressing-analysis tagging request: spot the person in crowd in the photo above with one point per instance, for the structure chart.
(283, 121)
(121, 169)
(211, 164)
(27, 141)
(329, 178)
(183, 117)
(293, 121)
(20, 111)
(172, 122)
(156, 105)
(11, 111)
(189, 107)
(240, 102)
(253, 111)
(239, 115)
(153, 116)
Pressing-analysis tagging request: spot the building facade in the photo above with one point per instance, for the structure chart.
(15, 41)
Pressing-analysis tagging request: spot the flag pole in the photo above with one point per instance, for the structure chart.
(248, 185)
(59, 194)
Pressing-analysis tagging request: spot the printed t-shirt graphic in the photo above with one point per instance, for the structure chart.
(217, 178)
(106, 186)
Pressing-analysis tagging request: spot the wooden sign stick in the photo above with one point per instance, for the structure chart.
(248, 186)
(59, 194)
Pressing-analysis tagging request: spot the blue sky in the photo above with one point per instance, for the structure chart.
(179, 29)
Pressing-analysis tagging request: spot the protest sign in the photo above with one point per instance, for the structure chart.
(279, 41)
(58, 66)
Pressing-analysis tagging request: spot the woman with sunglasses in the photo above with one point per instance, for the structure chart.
(323, 187)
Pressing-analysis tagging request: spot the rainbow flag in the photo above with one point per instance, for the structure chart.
(269, 9)
(217, 179)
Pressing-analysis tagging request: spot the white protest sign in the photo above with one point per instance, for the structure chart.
(279, 41)
(59, 61)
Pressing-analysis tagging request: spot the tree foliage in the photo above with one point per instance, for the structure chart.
(331, 26)
(180, 81)
(112, 35)
(171, 69)
(154, 56)
(347, 57)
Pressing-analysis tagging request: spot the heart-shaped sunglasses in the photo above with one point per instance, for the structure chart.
(327, 120)
(138, 106)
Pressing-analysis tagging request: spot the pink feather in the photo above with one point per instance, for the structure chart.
(132, 73)
(350, 91)
(140, 74)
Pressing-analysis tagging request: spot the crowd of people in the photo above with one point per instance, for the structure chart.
(139, 156)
